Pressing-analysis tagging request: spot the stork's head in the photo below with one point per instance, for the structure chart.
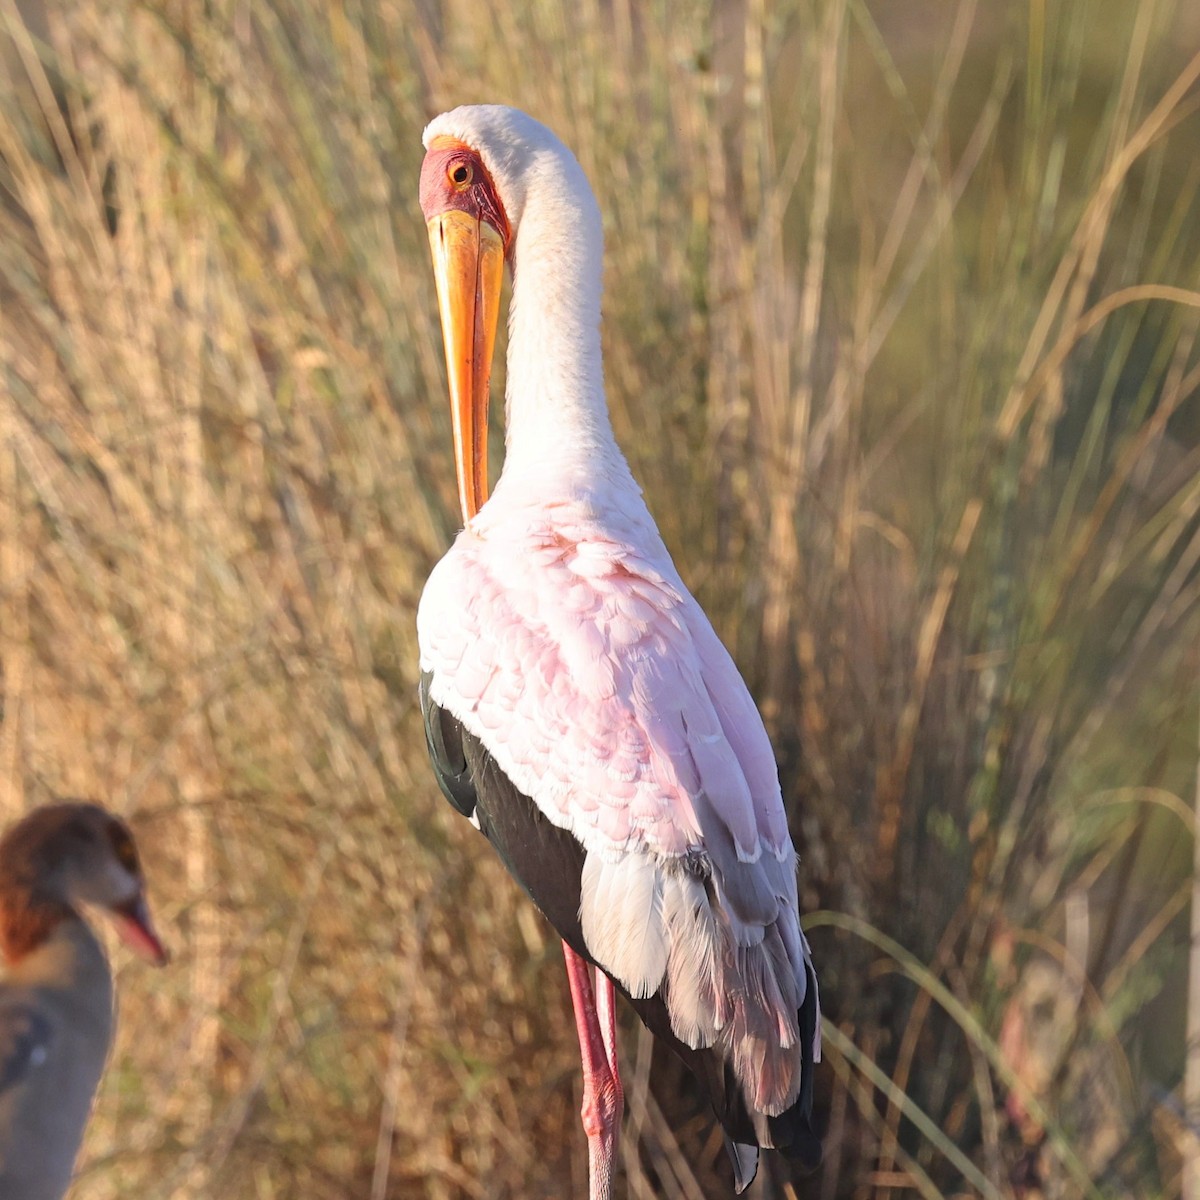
(490, 172)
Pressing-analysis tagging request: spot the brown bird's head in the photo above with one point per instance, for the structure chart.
(65, 855)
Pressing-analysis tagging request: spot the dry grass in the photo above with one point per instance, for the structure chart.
(902, 321)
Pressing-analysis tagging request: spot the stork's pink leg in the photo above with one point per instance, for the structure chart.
(603, 1097)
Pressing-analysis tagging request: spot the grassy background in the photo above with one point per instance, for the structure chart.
(901, 334)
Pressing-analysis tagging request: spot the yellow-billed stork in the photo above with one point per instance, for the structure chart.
(578, 705)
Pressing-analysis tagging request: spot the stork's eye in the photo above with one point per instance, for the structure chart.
(460, 174)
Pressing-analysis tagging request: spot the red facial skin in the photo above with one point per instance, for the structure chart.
(453, 176)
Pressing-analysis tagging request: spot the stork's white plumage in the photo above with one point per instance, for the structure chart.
(559, 645)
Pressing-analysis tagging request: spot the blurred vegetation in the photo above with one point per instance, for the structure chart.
(902, 313)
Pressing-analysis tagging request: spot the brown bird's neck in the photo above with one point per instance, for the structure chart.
(28, 921)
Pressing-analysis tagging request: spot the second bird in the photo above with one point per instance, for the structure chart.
(56, 996)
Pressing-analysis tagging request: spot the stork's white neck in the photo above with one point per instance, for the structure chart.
(558, 438)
